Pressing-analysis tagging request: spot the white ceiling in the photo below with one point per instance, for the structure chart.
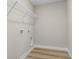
(41, 2)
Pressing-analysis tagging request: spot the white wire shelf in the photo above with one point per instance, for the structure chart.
(21, 10)
(18, 22)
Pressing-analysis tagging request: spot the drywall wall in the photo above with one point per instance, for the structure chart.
(51, 25)
(17, 43)
(69, 13)
(24, 41)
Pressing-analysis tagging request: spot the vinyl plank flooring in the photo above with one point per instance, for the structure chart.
(50, 53)
(42, 53)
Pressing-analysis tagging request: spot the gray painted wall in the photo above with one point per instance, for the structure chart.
(51, 26)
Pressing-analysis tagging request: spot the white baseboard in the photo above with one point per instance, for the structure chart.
(26, 53)
(41, 46)
(55, 48)
(69, 53)
(50, 47)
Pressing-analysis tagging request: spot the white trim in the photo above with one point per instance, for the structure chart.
(56, 48)
(50, 47)
(26, 53)
(69, 53)
(41, 46)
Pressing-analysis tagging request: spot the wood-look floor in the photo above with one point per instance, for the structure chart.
(42, 53)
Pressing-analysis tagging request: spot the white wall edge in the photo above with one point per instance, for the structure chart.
(51, 47)
(26, 53)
